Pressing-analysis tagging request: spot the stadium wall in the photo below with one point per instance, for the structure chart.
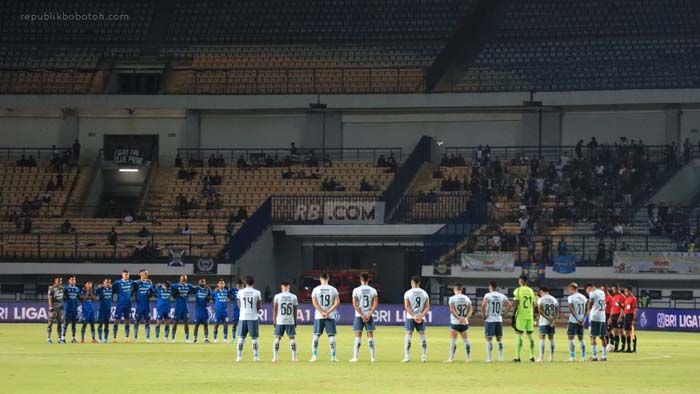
(609, 126)
(351, 120)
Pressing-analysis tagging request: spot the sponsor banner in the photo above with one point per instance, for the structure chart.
(666, 319)
(657, 262)
(389, 314)
(564, 264)
(501, 262)
(128, 156)
(353, 213)
(340, 212)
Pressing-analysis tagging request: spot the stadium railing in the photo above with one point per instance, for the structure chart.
(549, 152)
(253, 155)
(7, 153)
(74, 247)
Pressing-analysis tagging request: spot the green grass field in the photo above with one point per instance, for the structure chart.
(666, 362)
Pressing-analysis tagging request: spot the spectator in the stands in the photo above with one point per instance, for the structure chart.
(311, 160)
(143, 232)
(241, 214)
(76, 150)
(365, 186)
(229, 231)
(330, 185)
(186, 230)
(178, 161)
(293, 149)
(67, 227)
(51, 186)
(241, 163)
(214, 203)
(211, 162)
(46, 198)
(562, 247)
(391, 161)
(210, 179)
(112, 237)
(618, 230)
(381, 162)
(31, 162)
(211, 230)
(531, 248)
(602, 254)
(546, 251)
(36, 204)
(26, 224)
(59, 181)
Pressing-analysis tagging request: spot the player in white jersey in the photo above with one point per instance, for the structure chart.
(284, 319)
(249, 302)
(493, 307)
(596, 316)
(460, 311)
(365, 301)
(417, 304)
(578, 304)
(326, 300)
(548, 308)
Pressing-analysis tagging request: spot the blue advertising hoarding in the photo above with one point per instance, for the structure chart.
(389, 314)
(666, 319)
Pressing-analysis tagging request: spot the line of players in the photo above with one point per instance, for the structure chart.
(97, 307)
(600, 312)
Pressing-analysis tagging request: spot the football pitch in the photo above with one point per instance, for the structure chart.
(666, 362)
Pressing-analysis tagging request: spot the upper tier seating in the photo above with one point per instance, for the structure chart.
(546, 45)
(212, 21)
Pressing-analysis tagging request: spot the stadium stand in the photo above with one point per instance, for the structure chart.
(581, 200)
(247, 186)
(586, 45)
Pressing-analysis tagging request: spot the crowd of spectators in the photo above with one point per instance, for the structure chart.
(597, 184)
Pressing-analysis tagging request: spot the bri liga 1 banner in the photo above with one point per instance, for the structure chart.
(389, 314)
(666, 319)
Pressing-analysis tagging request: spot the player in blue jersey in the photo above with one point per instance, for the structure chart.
(181, 292)
(221, 296)
(202, 295)
(88, 297)
(143, 288)
(163, 306)
(71, 307)
(124, 288)
(236, 310)
(104, 293)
